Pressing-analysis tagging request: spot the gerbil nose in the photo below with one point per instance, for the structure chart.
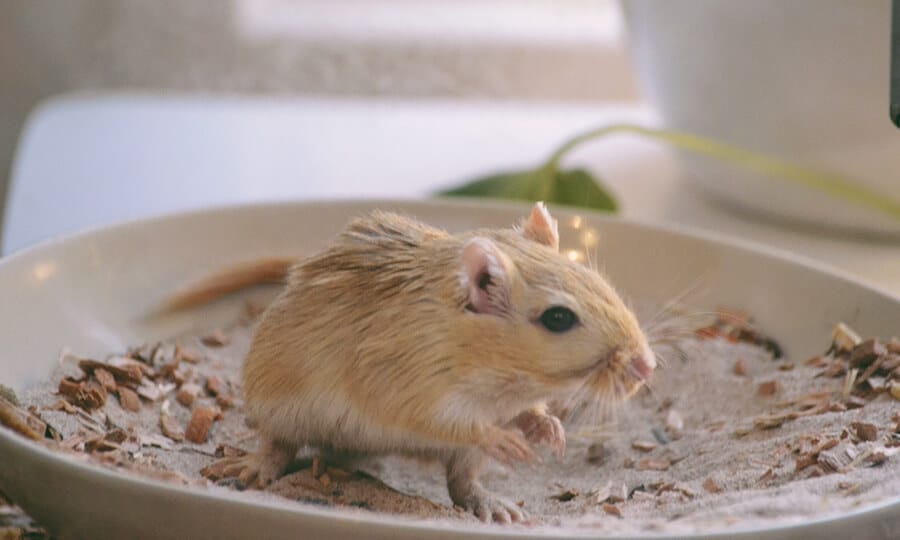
(644, 363)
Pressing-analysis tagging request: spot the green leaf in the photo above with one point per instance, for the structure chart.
(575, 187)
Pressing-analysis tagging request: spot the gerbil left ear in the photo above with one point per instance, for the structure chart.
(486, 276)
(541, 227)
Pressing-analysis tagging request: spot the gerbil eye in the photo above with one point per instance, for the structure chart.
(558, 319)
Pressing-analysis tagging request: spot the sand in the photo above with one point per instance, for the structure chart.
(717, 471)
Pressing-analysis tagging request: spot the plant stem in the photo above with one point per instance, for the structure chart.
(835, 185)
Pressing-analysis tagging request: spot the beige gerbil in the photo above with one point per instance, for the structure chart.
(402, 338)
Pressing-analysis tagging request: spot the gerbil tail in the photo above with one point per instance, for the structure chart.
(230, 280)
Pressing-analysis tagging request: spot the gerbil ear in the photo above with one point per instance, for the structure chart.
(485, 276)
(541, 227)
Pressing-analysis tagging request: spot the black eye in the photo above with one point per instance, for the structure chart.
(558, 319)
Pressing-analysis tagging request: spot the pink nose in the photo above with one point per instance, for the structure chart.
(643, 364)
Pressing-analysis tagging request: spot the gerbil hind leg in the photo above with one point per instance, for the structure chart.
(466, 491)
(261, 468)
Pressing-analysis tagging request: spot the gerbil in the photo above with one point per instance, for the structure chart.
(402, 338)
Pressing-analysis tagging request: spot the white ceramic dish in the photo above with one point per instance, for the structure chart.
(91, 292)
(805, 81)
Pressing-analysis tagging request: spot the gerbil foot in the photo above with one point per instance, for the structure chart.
(261, 468)
(506, 446)
(543, 428)
(488, 507)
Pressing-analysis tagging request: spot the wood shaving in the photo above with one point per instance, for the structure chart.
(201, 421)
(612, 510)
(711, 486)
(767, 388)
(643, 446)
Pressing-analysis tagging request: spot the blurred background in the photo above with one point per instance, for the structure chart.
(118, 109)
(550, 50)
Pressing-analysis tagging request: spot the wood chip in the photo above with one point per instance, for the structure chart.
(149, 391)
(767, 388)
(618, 495)
(877, 384)
(711, 486)
(188, 355)
(643, 446)
(740, 368)
(772, 422)
(843, 338)
(224, 402)
(63, 405)
(201, 421)
(787, 366)
(865, 431)
(833, 460)
(855, 402)
(893, 345)
(811, 457)
(650, 464)
(766, 476)
(69, 387)
(185, 397)
(895, 389)
(873, 367)
(187, 394)
(834, 369)
(601, 495)
(106, 379)
(129, 399)
(565, 496)
(213, 386)
(866, 352)
(170, 428)
(628, 463)
(612, 510)
(124, 370)
(216, 338)
(17, 419)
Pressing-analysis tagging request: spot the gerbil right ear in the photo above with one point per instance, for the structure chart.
(541, 227)
(485, 276)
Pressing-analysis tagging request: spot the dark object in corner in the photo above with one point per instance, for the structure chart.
(895, 63)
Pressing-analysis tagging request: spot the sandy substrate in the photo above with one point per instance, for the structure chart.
(724, 468)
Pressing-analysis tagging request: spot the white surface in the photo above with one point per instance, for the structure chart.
(91, 161)
(435, 21)
(805, 81)
(93, 293)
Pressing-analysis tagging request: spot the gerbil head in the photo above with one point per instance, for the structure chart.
(549, 324)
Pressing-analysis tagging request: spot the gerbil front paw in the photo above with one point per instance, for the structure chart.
(488, 507)
(506, 446)
(543, 428)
